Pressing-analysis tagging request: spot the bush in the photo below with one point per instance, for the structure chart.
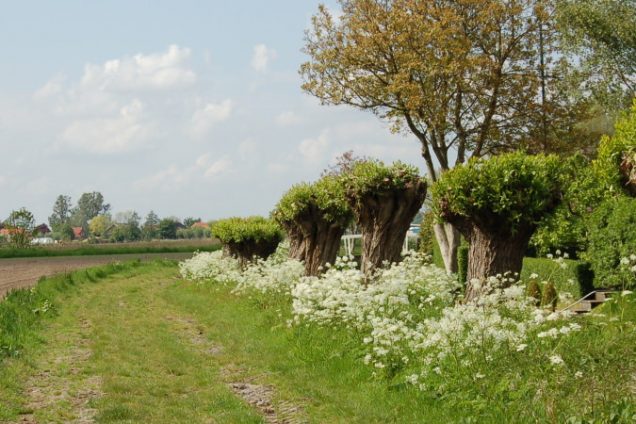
(427, 234)
(612, 235)
(462, 264)
(246, 238)
(550, 298)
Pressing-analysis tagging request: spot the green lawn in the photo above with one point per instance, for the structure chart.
(136, 343)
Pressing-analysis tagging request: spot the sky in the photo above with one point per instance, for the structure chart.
(187, 108)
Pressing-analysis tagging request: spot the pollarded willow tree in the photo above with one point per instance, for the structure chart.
(384, 200)
(497, 204)
(466, 77)
(248, 238)
(315, 216)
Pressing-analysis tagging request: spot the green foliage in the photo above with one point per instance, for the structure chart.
(125, 232)
(550, 297)
(613, 151)
(612, 237)
(512, 190)
(462, 263)
(369, 177)
(565, 229)
(533, 289)
(61, 212)
(327, 195)
(254, 228)
(167, 229)
(427, 234)
(21, 226)
(602, 33)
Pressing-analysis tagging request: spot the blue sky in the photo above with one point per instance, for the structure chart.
(188, 108)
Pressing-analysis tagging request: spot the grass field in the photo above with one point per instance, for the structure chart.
(136, 343)
(84, 249)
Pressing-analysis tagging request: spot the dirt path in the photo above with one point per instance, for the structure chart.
(25, 272)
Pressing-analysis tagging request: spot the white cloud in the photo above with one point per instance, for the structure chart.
(209, 115)
(248, 148)
(50, 89)
(314, 149)
(158, 71)
(3, 180)
(277, 168)
(115, 134)
(261, 57)
(286, 119)
(174, 177)
(218, 168)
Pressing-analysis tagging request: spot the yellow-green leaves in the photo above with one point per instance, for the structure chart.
(508, 190)
(236, 230)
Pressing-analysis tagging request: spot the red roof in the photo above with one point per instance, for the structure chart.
(78, 232)
(200, 224)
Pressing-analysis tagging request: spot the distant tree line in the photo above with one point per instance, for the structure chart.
(91, 218)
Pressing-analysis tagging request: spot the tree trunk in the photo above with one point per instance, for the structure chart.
(384, 219)
(491, 254)
(321, 244)
(296, 242)
(247, 250)
(448, 239)
(314, 240)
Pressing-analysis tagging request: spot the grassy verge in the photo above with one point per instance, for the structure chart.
(107, 249)
(151, 347)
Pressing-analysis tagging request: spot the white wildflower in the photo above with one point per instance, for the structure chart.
(556, 360)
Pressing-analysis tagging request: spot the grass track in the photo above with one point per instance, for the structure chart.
(141, 345)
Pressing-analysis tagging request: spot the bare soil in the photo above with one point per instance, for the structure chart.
(25, 272)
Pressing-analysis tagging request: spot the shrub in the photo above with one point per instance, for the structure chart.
(315, 216)
(245, 238)
(497, 204)
(533, 290)
(550, 297)
(462, 264)
(384, 200)
(612, 237)
(427, 235)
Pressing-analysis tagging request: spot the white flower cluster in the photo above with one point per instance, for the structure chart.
(343, 296)
(210, 266)
(387, 308)
(406, 314)
(629, 262)
(276, 274)
(272, 275)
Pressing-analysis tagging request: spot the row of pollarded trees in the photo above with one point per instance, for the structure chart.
(382, 199)
(496, 203)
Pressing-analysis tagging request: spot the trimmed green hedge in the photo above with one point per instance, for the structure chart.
(237, 230)
(576, 278)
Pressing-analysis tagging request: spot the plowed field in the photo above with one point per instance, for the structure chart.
(25, 272)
